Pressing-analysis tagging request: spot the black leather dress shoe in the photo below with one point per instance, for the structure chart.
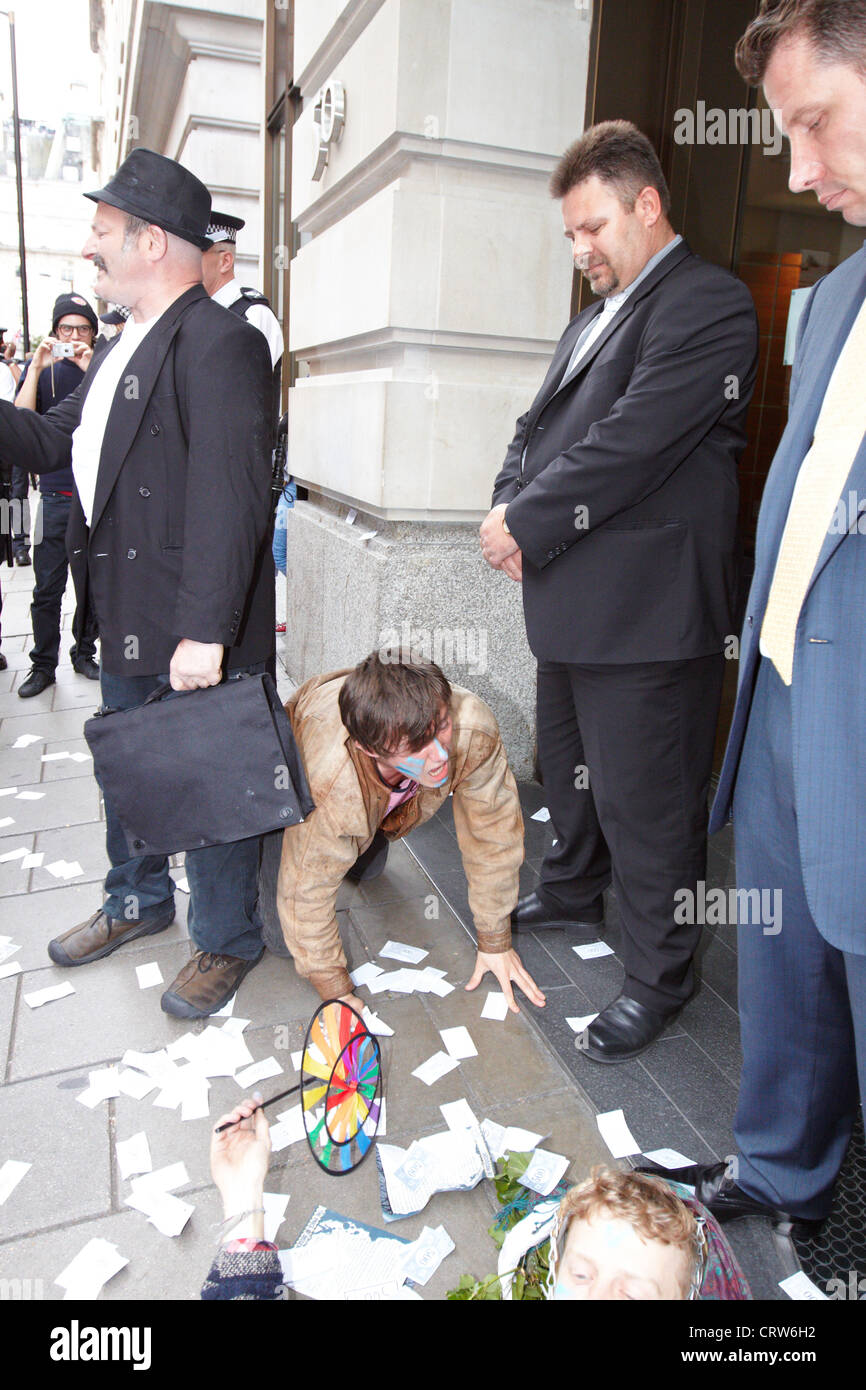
(36, 682)
(622, 1030)
(531, 914)
(86, 666)
(3, 662)
(728, 1202)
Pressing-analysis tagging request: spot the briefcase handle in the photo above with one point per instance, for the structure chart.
(166, 688)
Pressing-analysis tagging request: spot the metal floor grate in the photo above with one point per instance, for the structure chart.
(838, 1252)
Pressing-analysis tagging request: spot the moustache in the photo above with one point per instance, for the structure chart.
(99, 263)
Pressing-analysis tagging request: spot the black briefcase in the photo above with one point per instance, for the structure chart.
(205, 767)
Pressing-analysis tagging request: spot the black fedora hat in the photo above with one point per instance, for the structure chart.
(161, 191)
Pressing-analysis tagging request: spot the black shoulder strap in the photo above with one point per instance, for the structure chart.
(245, 300)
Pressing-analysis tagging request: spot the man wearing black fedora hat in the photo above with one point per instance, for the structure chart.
(171, 508)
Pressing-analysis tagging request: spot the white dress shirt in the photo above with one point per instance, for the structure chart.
(259, 315)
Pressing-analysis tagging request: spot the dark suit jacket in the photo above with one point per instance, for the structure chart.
(829, 680)
(622, 484)
(177, 545)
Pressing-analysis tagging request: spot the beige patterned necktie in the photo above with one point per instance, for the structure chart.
(838, 437)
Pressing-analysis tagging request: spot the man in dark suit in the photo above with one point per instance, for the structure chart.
(617, 506)
(172, 507)
(795, 766)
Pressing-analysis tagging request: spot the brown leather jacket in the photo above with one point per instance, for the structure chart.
(350, 805)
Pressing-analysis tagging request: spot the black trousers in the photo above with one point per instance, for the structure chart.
(50, 569)
(625, 754)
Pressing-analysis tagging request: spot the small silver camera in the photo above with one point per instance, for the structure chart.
(63, 350)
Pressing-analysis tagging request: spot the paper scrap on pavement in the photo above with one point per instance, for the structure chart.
(458, 1114)
(669, 1158)
(376, 1025)
(458, 1043)
(592, 950)
(44, 996)
(149, 975)
(133, 1155)
(182, 884)
(30, 796)
(259, 1071)
(543, 814)
(398, 950)
(135, 1084)
(6, 820)
(13, 967)
(81, 757)
(800, 1287)
(11, 1174)
(167, 1213)
(544, 1172)
(366, 972)
(495, 1006)
(287, 1129)
(338, 1258)
(424, 1256)
(578, 1024)
(296, 1060)
(60, 869)
(275, 1204)
(13, 854)
(401, 981)
(616, 1134)
(92, 1267)
(435, 1067)
(233, 1026)
(154, 1063)
(33, 861)
(104, 1085)
(445, 1162)
(227, 1009)
(25, 740)
(55, 757)
(431, 981)
(163, 1179)
(8, 791)
(503, 1139)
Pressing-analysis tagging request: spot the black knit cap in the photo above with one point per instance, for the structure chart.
(162, 192)
(72, 304)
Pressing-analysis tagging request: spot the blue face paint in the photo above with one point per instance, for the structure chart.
(414, 767)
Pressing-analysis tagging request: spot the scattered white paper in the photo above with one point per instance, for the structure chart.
(495, 1006)
(376, 1025)
(366, 972)
(133, 1155)
(10, 1176)
(25, 740)
(349, 518)
(55, 757)
(288, 1129)
(234, 1027)
(167, 1213)
(227, 1009)
(458, 1114)
(592, 950)
(154, 1063)
(13, 854)
(30, 796)
(45, 996)
(259, 1071)
(149, 975)
(458, 1043)
(135, 1084)
(92, 1267)
(13, 967)
(503, 1139)
(275, 1204)
(800, 1287)
(431, 981)
(424, 1256)
(578, 1024)
(400, 981)
(398, 950)
(296, 1059)
(543, 814)
(33, 861)
(445, 1162)
(616, 1134)
(6, 820)
(194, 1103)
(435, 1067)
(182, 884)
(60, 869)
(669, 1158)
(81, 757)
(8, 791)
(544, 1171)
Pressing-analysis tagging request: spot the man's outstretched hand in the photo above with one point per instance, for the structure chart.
(508, 968)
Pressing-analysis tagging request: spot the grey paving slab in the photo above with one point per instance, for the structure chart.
(8, 996)
(709, 1099)
(449, 947)
(7, 679)
(402, 878)
(715, 1027)
(68, 1147)
(84, 695)
(34, 919)
(12, 704)
(12, 877)
(65, 769)
(82, 844)
(16, 653)
(107, 1013)
(63, 724)
(20, 766)
(69, 803)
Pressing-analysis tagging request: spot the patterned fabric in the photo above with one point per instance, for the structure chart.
(724, 1280)
(245, 1274)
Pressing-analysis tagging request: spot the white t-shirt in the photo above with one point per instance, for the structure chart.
(87, 438)
(259, 315)
(7, 382)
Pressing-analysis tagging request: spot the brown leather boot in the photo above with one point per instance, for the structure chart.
(205, 984)
(100, 935)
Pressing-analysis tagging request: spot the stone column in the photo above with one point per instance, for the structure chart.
(430, 288)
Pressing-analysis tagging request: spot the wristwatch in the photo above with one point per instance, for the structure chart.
(505, 526)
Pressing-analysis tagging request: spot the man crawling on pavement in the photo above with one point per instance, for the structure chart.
(383, 746)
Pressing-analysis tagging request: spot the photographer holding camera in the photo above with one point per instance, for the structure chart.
(55, 371)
